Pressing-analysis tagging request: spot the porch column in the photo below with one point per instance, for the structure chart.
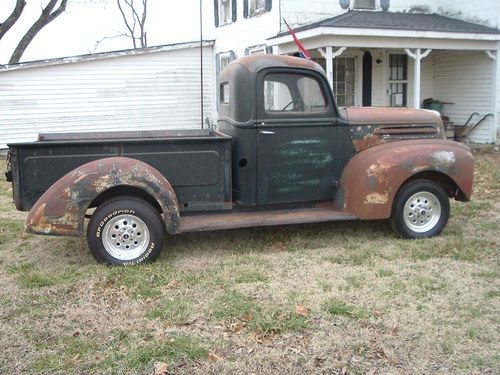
(329, 55)
(329, 64)
(417, 56)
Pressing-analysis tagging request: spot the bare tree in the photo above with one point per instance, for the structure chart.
(49, 13)
(135, 23)
(12, 19)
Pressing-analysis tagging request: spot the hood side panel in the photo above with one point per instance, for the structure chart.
(370, 126)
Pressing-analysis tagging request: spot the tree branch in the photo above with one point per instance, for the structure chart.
(125, 20)
(46, 17)
(12, 19)
(133, 19)
(105, 38)
(144, 41)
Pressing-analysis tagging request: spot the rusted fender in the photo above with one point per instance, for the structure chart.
(372, 178)
(61, 210)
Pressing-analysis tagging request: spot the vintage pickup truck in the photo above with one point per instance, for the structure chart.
(283, 153)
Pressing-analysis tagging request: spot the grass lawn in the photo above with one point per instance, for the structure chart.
(325, 298)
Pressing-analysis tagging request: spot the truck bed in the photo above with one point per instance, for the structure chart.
(197, 163)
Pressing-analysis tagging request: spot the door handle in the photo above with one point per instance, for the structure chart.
(266, 132)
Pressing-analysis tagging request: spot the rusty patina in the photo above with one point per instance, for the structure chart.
(61, 210)
(372, 178)
(370, 126)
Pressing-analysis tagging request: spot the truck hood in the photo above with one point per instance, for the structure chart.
(370, 126)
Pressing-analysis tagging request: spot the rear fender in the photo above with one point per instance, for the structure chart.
(61, 210)
(372, 178)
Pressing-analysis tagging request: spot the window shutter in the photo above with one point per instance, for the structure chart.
(216, 12)
(245, 8)
(232, 56)
(269, 50)
(234, 10)
(217, 65)
(269, 5)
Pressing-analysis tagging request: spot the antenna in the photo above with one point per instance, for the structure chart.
(201, 63)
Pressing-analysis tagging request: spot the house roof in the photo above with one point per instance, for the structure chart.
(105, 55)
(399, 21)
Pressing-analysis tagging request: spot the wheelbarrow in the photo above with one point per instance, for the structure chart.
(461, 132)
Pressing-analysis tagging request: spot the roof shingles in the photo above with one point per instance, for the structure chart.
(400, 21)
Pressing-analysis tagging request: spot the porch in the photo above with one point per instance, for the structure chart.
(368, 64)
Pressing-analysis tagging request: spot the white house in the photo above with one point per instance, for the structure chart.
(375, 52)
(380, 52)
(143, 89)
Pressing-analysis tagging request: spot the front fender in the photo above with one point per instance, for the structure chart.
(61, 210)
(371, 179)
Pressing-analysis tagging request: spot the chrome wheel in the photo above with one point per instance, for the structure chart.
(125, 237)
(422, 211)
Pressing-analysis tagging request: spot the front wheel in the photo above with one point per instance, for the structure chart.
(125, 231)
(421, 209)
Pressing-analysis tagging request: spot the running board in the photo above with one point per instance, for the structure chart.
(239, 219)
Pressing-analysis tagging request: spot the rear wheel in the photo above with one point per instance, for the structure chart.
(125, 231)
(421, 209)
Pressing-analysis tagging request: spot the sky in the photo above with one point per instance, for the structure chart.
(86, 22)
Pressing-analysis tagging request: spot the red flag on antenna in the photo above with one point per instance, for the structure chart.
(302, 50)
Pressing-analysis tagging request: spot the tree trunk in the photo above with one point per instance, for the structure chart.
(45, 18)
(12, 19)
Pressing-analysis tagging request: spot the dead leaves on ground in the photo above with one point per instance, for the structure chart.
(301, 310)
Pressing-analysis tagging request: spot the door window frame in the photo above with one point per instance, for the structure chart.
(345, 83)
(404, 81)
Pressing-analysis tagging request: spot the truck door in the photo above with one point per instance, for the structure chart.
(296, 137)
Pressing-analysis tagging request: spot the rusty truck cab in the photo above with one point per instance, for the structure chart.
(289, 143)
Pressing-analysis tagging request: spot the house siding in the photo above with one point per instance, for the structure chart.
(159, 90)
(485, 12)
(464, 78)
(426, 78)
(496, 98)
(247, 32)
(299, 12)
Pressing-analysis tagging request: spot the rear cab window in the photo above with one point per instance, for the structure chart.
(224, 93)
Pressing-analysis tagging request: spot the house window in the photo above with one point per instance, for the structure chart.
(225, 59)
(398, 80)
(364, 4)
(225, 13)
(284, 92)
(222, 59)
(256, 50)
(343, 80)
(256, 7)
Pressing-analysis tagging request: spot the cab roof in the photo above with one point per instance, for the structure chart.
(241, 76)
(255, 63)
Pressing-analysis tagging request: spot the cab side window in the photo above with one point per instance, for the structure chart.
(276, 96)
(292, 92)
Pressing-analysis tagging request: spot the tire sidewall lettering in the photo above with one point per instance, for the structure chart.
(109, 212)
(142, 258)
(110, 216)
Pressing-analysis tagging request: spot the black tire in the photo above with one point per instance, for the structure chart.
(421, 209)
(125, 231)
